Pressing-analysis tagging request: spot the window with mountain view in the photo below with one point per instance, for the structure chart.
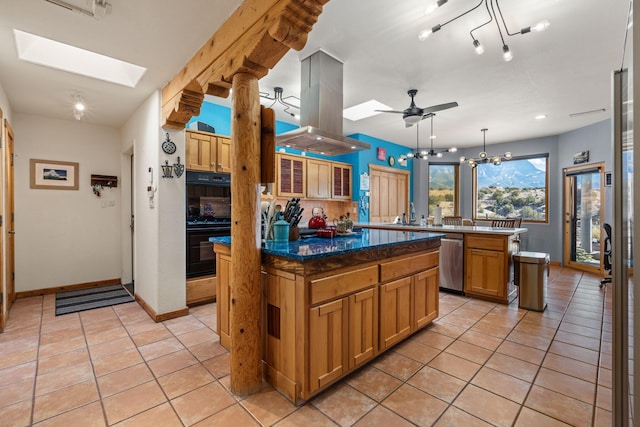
(514, 189)
(443, 188)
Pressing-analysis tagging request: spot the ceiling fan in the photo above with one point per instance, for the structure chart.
(414, 114)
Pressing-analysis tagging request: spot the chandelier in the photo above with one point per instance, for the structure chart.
(277, 97)
(491, 10)
(483, 157)
(425, 154)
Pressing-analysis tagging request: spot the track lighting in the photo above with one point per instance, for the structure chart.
(491, 6)
(483, 157)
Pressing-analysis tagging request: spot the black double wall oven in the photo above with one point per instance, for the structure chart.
(208, 204)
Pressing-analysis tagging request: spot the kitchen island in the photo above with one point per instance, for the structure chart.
(487, 256)
(332, 304)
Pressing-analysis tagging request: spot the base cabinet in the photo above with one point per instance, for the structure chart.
(319, 327)
(395, 312)
(327, 343)
(488, 267)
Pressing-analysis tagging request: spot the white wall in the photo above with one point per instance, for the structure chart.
(159, 238)
(65, 237)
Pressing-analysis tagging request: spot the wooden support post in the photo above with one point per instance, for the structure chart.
(246, 290)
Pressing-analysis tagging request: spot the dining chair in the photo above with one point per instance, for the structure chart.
(452, 220)
(503, 223)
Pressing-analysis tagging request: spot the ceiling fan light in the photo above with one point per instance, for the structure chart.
(506, 53)
(478, 47)
(412, 119)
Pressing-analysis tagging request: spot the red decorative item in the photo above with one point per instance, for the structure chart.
(382, 153)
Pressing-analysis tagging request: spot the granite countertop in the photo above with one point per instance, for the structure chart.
(310, 248)
(443, 228)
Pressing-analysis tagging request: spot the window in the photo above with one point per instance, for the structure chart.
(443, 188)
(514, 189)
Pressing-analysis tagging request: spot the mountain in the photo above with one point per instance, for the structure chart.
(516, 174)
(441, 177)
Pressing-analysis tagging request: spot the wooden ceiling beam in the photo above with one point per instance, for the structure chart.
(254, 38)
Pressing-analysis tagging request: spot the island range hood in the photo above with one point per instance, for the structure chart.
(321, 110)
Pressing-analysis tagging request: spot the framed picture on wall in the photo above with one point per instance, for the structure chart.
(382, 153)
(53, 175)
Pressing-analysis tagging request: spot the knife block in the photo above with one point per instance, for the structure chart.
(294, 233)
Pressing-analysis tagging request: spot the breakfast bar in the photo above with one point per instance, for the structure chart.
(332, 304)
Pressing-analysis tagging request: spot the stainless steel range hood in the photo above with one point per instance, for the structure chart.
(321, 110)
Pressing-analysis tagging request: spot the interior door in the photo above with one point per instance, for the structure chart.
(583, 217)
(389, 189)
(9, 213)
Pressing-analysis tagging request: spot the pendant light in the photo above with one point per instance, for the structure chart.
(425, 154)
(483, 157)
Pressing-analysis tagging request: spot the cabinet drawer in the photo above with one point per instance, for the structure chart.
(488, 243)
(342, 284)
(410, 265)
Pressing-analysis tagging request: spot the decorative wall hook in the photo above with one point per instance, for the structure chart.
(167, 170)
(178, 168)
(97, 189)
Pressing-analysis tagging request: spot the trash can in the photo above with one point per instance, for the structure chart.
(531, 270)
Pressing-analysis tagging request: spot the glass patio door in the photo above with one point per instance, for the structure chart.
(583, 210)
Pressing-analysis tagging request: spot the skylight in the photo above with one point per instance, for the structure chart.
(50, 53)
(364, 110)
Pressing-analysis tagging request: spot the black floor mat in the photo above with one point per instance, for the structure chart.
(87, 299)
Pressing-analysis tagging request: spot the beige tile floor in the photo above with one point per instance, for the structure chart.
(478, 364)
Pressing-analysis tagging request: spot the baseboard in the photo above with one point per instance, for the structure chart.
(160, 317)
(556, 263)
(65, 288)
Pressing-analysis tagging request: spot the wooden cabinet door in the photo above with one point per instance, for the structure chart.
(425, 297)
(341, 182)
(200, 151)
(484, 272)
(363, 326)
(291, 177)
(318, 179)
(223, 299)
(223, 154)
(395, 312)
(327, 343)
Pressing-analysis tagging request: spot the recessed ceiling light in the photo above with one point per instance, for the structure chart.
(50, 53)
(364, 110)
(541, 116)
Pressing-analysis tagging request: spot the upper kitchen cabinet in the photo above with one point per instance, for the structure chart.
(318, 179)
(341, 181)
(208, 152)
(291, 176)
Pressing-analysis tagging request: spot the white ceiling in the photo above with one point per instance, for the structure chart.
(564, 70)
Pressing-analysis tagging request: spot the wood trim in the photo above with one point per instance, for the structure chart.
(252, 40)
(66, 288)
(160, 317)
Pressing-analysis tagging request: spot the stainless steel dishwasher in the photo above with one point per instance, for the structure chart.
(452, 262)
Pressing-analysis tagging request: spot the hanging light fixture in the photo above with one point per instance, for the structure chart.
(491, 10)
(277, 98)
(425, 154)
(483, 157)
